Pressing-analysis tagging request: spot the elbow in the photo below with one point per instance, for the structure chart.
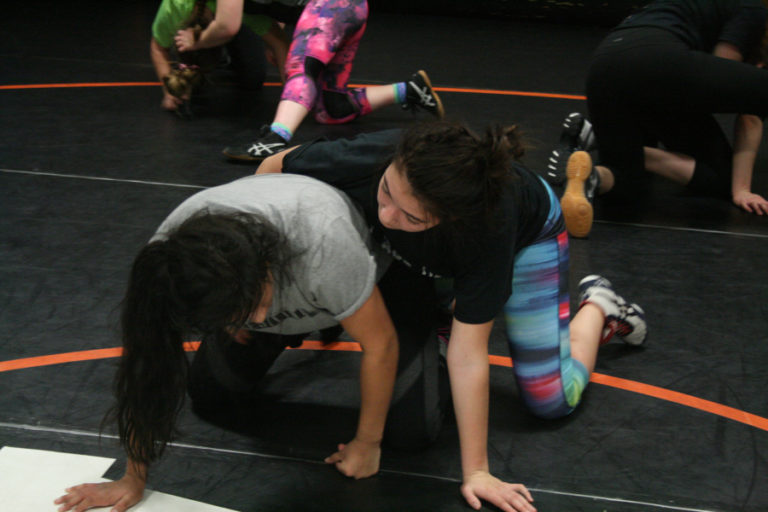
(752, 121)
(229, 30)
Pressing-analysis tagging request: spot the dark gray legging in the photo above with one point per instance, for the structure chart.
(645, 86)
(224, 373)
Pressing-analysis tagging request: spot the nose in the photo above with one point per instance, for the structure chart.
(388, 215)
(259, 315)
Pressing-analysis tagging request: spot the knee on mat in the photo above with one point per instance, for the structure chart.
(338, 107)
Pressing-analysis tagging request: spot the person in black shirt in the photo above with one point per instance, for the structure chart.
(652, 88)
(448, 203)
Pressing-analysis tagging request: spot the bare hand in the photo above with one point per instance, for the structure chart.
(357, 459)
(185, 40)
(123, 494)
(508, 497)
(753, 203)
(171, 102)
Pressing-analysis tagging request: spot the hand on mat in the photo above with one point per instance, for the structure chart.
(357, 459)
(171, 102)
(753, 203)
(123, 494)
(508, 497)
(185, 40)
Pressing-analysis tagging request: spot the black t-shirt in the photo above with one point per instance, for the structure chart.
(481, 266)
(701, 24)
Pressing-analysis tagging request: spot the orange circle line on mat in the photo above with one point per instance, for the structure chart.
(278, 84)
(351, 346)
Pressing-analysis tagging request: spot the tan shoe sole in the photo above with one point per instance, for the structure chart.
(577, 210)
(440, 109)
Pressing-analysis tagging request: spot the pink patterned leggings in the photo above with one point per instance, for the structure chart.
(320, 60)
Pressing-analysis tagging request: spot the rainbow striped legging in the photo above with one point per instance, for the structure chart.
(537, 315)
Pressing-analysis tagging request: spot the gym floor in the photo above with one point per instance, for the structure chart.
(90, 165)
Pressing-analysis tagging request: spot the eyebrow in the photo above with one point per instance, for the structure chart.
(409, 215)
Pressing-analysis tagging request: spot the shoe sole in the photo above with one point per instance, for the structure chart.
(243, 158)
(577, 210)
(438, 101)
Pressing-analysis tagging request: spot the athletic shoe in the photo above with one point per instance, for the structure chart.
(622, 319)
(576, 202)
(269, 143)
(577, 135)
(420, 94)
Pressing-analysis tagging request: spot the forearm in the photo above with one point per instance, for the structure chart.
(225, 25)
(469, 375)
(137, 471)
(748, 133)
(161, 59)
(215, 34)
(377, 380)
(274, 163)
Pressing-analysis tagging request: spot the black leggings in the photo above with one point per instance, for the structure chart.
(645, 87)
(225, 374)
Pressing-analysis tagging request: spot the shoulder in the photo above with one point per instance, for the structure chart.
(364, 147)
(171, 14)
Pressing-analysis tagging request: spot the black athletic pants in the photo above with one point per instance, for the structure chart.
(246, 52)
(224, 373)
(645, 87)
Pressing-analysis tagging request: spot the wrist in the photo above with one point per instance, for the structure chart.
(467, 475)
(475, 469)
(736, 192)
(368, 440)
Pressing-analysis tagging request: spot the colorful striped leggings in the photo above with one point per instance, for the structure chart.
(537, 315)
(320, 58)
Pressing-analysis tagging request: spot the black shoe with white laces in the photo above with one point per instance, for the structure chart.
(269, 143)
(420, 94)
(577, 135)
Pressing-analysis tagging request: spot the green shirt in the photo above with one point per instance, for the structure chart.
(172, 14)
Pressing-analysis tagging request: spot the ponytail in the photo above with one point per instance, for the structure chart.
(208, 275)
(151, 379)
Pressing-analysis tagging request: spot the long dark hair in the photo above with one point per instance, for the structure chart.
(458, 176)
(207, 275)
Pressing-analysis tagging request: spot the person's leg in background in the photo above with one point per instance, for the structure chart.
(695, 152)
(246, 51)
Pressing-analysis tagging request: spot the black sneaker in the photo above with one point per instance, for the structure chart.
(269, 143)
(576, 202)
(621, 318)
(577, 135)
(420, 94)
